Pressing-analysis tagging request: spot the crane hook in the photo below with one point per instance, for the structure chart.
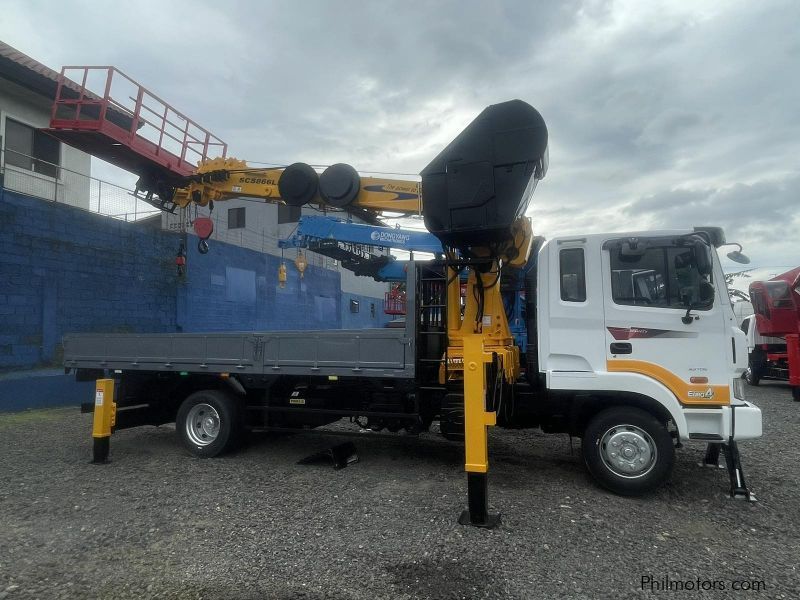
(203, 227)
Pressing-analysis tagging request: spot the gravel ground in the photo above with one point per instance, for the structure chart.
(159, 523)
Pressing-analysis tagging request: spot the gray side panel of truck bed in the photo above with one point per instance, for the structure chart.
(363, 352)
(385, 352)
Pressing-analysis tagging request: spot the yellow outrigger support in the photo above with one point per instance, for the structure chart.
(105, 413)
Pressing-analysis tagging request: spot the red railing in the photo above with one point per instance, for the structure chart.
(394, 302)
(126, 124)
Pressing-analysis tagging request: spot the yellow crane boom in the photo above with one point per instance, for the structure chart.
(339, 186)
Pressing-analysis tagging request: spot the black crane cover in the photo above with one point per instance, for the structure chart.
(477, 186)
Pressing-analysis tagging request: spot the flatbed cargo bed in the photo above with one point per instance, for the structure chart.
(383, 352)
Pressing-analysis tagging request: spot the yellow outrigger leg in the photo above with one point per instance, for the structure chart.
(105, 411)
(477, 421)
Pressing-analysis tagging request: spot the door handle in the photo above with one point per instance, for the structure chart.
(621, 348)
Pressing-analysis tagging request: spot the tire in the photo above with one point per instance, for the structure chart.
(642, 437)
(755, 363)
(796, 394)
(208, 423)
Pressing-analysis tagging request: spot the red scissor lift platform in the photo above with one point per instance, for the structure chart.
(128, 126)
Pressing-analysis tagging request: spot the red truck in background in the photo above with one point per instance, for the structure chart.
(773, 331)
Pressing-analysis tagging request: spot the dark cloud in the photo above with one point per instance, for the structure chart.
(660, 114)
(764, 216)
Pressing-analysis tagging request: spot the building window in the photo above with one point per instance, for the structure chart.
(236, 218)
(31, 149)
(573, 275)
(288, 214)
(353, 306)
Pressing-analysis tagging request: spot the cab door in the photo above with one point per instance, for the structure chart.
(570, 317)
(647, 290)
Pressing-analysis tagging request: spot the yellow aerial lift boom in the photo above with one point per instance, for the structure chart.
(339, 186)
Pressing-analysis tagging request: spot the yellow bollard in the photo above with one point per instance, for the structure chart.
(105, 411)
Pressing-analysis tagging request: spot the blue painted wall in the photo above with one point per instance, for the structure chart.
(370, 312)
(65, 270)
(236, 289)
(42, 388)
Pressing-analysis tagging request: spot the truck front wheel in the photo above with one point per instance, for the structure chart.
(755, 365)
(628, 451)
(208, 423)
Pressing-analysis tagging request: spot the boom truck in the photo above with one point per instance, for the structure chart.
(631, 345)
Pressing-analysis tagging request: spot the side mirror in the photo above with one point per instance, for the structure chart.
(702, 258)
(737, 257)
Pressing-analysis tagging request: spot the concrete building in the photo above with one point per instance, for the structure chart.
(32, 162)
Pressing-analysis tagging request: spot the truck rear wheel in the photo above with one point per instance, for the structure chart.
(628, 451)
(209, 423)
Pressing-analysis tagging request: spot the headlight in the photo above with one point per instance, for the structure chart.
(738, 388)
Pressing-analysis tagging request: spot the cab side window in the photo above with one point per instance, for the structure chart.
(573, 275)
(663, 277)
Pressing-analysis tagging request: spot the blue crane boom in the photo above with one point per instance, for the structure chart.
(311, 229)
(359, 247)
(354, 244)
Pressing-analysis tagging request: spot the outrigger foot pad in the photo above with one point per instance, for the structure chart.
(477, 497)
(490, 522)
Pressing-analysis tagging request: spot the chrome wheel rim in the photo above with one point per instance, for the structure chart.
(628, 451)
(202, 424)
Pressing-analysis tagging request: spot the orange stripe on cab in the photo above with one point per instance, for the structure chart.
(686, 393)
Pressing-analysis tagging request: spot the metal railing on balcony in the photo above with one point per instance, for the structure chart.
(102, 111)
(69, 187)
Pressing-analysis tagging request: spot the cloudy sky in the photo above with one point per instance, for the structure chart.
(660, 114)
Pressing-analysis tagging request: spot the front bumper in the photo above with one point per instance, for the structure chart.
(741, 420)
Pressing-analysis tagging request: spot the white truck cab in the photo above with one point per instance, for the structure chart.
(645, 316)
